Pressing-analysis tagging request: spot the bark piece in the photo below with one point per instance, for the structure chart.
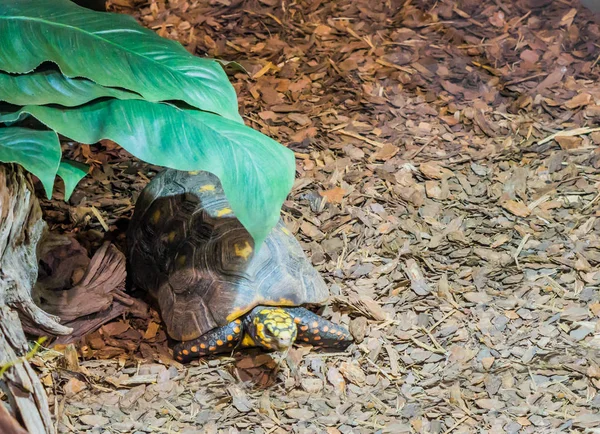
(95, 300)
(21, 228)
(8, 424)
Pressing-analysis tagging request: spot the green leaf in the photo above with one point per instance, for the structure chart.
(51, 87)
(37, 151)
(112, 50)
(257, 173)
(71, 173)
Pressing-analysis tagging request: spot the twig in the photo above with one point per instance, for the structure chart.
(421, 148)
(385, 374)
(434, 340)
(427, 347)
(591, 202)
(393, 65)
(569, 133)
(456, 425)
(521, 245)
(359, 137)
(444, 318)
(29, 355)
(100, 219)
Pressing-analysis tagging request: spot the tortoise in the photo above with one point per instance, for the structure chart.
(215, 293)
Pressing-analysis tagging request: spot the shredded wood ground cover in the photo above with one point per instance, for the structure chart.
(448, 189)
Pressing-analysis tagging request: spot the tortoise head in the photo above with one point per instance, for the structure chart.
(273, 328)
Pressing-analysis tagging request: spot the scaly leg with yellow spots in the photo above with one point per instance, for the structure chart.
(218, 340)
(316, 330)
(273, 328)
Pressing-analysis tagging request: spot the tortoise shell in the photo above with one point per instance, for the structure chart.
(189, 251)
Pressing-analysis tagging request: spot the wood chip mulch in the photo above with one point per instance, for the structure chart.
(448, 189)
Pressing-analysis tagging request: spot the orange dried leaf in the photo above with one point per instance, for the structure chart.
(151, 330)
(385, 153)
(569, 142)
(335, 195)
(517, 208)
(579, 101)
(434, 170)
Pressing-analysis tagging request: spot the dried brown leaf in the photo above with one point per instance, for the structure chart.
(335, 195)
(516, 207)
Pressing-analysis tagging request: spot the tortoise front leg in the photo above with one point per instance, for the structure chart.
(215, 341)
(317, 331)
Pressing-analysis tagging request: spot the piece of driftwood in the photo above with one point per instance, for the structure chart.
(21, 228)
(95, 291)
(8, 424)
(83, 293)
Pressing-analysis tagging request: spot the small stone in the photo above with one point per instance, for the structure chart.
(529, 354)
(93, 420)
(300, 413)
(477, 297)
(122, 426)
(489, 404)
(353, 373)
(358, 328)
(487, 362)
(73, 387)
(312, 385)
(580, 333)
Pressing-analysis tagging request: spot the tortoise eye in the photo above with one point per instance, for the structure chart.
(268, 333)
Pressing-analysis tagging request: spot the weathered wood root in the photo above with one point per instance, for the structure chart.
(8, 425)
(97, 298)
(21, 228)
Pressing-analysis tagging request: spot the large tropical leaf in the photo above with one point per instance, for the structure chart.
(112, 50)
(71, 173)
(257, 173)
(52, 87)
(37, 151)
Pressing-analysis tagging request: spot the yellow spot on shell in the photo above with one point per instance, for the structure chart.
(203, 346)
(229, 337)
(243, 251)
(219, 342)
(212, 348)
(207, 187)
(181, 260)
(194, 349)
(194, 172)
(223, 212)
(155, 216)
(185, 352)
(237, 329)
(236, 314)
(172, 236)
